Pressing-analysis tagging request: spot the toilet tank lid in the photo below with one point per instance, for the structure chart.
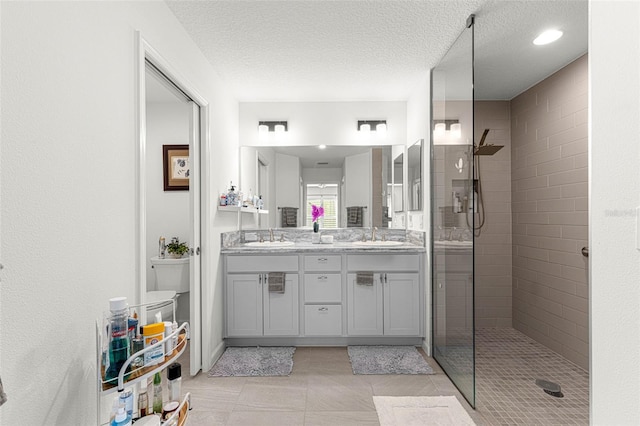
(155, 260)
(156, 296)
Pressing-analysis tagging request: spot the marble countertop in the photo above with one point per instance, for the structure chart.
(335, 247)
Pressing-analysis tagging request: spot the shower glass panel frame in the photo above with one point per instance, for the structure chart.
(453, 209)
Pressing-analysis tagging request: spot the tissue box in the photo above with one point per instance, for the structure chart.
(326, 239)
(315, 238)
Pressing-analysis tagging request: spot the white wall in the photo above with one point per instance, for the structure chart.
(69, 190)
(167, 211)
(614, 49)
(418, 119)
(328, 175)
(329, 123)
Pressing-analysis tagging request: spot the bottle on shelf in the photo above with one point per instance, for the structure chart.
(157, 393)
(174, 377)
(143, 402)
(121, 418)
(119, 347)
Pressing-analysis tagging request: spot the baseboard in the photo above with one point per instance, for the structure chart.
(217, 353)
(426, 347)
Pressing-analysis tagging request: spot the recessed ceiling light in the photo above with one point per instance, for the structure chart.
(547, 37)
(322, 146)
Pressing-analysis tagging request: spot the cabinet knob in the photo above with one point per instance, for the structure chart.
(323, 309)
(322, 278)
(322, 260)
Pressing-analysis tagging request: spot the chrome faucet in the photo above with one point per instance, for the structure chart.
(271, 238)
(373, 233)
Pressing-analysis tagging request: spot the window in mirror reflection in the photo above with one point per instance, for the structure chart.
(325, 195)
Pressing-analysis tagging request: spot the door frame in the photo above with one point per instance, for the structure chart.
(145, 52)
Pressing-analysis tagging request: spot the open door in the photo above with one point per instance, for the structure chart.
(195, 353)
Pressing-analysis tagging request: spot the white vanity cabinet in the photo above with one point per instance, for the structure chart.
(251, 309)
(323, 304)
(391, 305)
(322, 295)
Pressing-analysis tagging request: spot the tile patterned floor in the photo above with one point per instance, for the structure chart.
(507, 365)
(322, 390)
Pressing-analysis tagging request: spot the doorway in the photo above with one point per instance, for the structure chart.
(171, 115)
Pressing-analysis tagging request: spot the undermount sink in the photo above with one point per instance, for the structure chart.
(269, 244)
(377, 243)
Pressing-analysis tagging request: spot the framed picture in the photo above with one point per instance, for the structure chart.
(175, 164)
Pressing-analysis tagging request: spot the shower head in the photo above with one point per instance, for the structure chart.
(487, 149)
(483, 149)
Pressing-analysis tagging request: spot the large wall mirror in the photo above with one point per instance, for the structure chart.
(414, 176)
(354, 184)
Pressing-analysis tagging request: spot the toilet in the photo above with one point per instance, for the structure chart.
(171, 281)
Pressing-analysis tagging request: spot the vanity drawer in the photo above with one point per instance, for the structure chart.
(323, 263)
(262, 263)
(383, 262)
(323, 288)
(323, 320)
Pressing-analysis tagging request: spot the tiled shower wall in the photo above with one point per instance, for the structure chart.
(493, 247)
(550, 216)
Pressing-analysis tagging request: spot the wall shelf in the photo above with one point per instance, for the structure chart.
(242, 209)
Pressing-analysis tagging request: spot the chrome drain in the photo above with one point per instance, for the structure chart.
(550, 388)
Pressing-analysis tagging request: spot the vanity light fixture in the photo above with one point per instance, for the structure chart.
(277, 127)
(447, 132)
(379, 126)
(272, 126)
(322, 146)
(547, 37)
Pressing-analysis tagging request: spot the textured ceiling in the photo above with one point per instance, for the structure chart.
(317, 50)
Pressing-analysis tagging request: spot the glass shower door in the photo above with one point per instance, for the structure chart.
(453, 201)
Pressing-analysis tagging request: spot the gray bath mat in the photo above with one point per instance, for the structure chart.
(254, 361)
(387, 360)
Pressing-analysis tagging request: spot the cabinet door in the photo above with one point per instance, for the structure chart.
(364, 307)
(281, 312)
(244, 305)
(401, 305)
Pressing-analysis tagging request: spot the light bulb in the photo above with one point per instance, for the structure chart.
(263, 132)
(456, 131)
(365, 127)
(381, 129)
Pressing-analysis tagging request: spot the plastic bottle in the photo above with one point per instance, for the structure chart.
(143, 402)
(122, 418)
(174, 376)
(157, 393)
(119, 348)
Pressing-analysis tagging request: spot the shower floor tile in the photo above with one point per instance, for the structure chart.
(507, 366)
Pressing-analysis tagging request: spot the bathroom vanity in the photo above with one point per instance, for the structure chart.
(323, 302)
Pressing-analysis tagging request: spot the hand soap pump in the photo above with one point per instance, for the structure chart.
(231, 195)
